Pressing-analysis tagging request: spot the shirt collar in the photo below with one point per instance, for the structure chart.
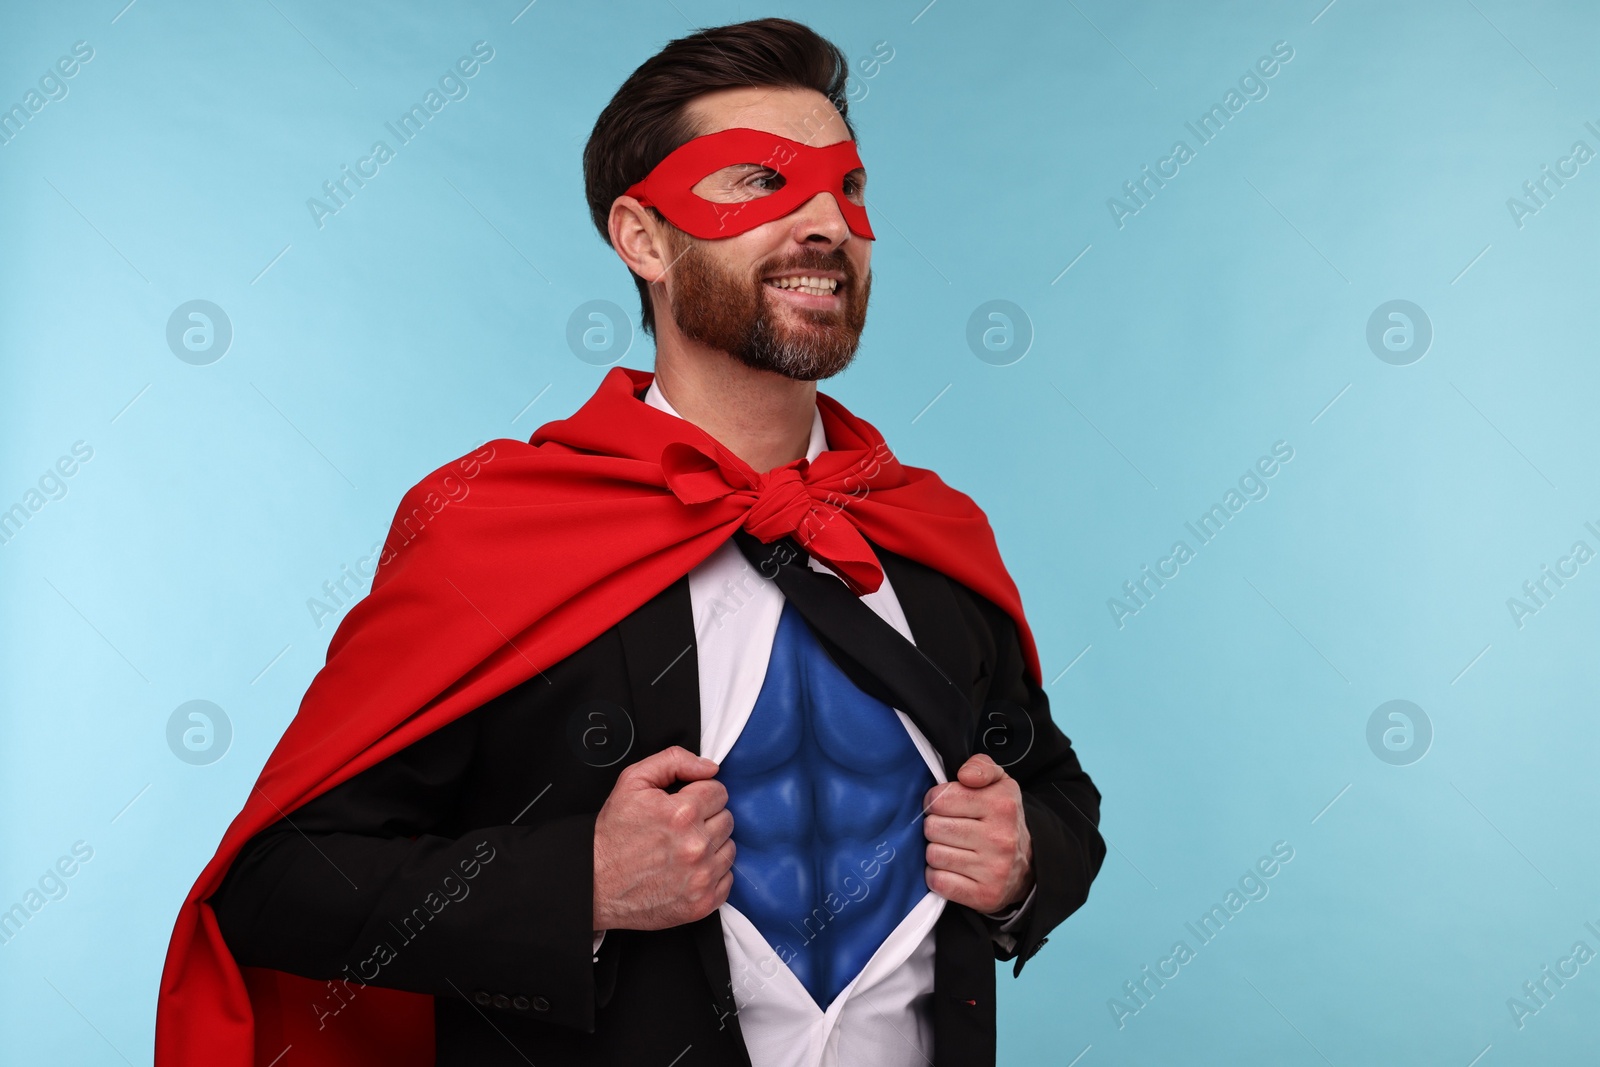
(818, 444)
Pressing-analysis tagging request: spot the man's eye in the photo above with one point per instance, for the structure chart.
(763, 178)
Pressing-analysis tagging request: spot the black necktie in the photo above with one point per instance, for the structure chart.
(874, 655)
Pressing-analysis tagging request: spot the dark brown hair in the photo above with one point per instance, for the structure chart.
(647, 118)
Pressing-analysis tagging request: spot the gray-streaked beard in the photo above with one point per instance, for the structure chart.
(732, 314)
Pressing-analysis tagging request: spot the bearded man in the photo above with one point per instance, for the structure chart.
(698, 729)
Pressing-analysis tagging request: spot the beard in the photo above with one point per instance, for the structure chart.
(734, 313)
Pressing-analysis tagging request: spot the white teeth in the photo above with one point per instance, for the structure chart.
(806, 284)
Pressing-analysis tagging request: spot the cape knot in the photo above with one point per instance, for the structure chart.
(783, 505)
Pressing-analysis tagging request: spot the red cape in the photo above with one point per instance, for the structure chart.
(500, 564)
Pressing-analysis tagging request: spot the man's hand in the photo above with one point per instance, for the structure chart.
(979, 851)
(662, 859)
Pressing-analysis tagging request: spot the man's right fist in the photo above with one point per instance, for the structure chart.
(662, 859)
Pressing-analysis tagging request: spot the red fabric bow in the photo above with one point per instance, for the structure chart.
(781, 502)
(497, 564)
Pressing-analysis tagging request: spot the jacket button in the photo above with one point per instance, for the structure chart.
(540, 1004)
(500, 1000)
(482, 998)
(520, 1003)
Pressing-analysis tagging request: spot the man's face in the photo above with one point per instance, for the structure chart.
(743, 294)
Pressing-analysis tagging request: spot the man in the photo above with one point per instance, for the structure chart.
(758, 771)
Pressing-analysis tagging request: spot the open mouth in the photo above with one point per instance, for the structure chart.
(809, 284)
(823, 291)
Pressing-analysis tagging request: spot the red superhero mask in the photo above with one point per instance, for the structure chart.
(806, 171)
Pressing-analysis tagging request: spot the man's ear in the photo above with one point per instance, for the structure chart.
(639, 239)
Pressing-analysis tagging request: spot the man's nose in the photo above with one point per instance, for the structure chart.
(821, 216)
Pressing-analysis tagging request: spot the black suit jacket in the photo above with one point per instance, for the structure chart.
(462, 866)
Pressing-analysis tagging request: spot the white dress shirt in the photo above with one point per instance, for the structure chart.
(883, 1016)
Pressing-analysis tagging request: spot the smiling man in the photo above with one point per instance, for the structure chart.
(698, 729)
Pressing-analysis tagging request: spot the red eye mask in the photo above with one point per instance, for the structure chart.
(806, 172)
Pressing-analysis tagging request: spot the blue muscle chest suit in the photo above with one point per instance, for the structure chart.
(826, 789)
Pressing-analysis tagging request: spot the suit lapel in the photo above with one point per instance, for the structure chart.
(935, 620)
(664, 675)
(964, 1020)
(663, 671)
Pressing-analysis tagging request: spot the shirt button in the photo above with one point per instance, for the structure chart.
(482, 998)
(520, 1003)
(540, 1004)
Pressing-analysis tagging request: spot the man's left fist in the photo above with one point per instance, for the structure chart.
(979, 851)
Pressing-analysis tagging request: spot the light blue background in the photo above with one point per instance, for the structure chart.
(1228, 314)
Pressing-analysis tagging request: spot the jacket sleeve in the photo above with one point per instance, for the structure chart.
(1061, 804)
(1003, 925)
(363, 884)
